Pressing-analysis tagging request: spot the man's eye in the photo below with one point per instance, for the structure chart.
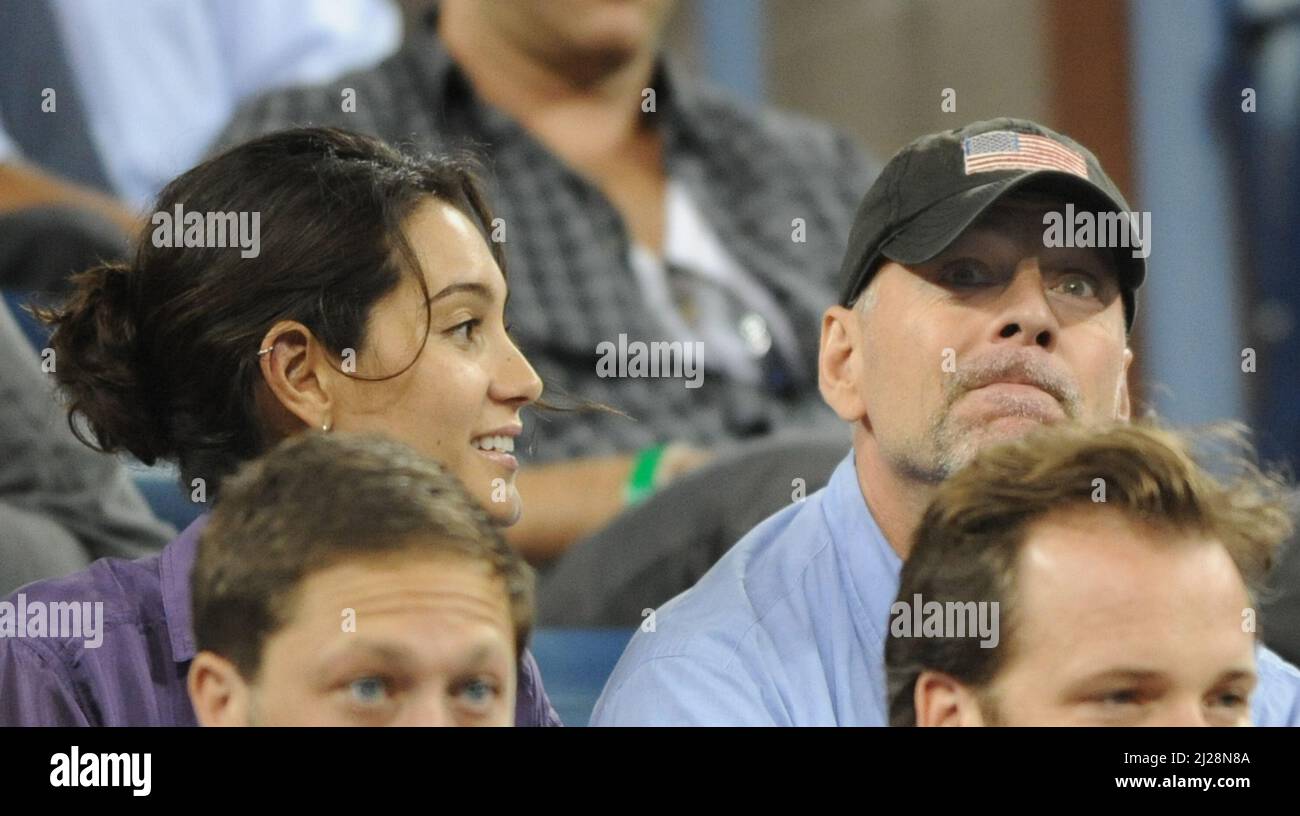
(1120, 697)
(1079, 285)
(478, 692)
(1231, 699)
(966, 274)
(368, 691)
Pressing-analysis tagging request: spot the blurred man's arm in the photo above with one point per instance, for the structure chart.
(23, 187)
(566, 501)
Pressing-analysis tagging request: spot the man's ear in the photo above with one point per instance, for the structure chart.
(218, 692)
(1123, 405)
(941, 700)
(298, 375)
(838, 363)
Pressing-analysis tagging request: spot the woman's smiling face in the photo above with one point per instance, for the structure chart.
(460, 401)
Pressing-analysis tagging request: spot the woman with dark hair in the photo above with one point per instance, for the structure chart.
(309, 279)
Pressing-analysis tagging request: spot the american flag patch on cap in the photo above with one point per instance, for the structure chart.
(1008, 150)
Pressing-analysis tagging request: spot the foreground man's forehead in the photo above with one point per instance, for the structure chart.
(1100, 570)
(468, 651)
(1097, 536)
(400, 593)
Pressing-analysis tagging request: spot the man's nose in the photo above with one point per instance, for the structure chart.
(1025, 314)
(429, 711)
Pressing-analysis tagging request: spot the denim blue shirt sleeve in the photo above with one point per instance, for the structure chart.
(788, 629)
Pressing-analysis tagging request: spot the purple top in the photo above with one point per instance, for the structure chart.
(137, 675)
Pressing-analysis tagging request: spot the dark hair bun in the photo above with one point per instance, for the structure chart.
(98, 365)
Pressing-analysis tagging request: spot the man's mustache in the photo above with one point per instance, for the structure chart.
(1020, 366)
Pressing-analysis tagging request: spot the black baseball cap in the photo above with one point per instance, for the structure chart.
(938, 185)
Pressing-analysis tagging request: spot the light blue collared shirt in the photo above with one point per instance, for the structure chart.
(788, 628)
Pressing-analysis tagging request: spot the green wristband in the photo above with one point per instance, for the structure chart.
(641, 481)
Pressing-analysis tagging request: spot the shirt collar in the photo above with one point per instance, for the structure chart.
(175, 566)
(872, 565)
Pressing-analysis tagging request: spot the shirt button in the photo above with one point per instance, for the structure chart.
(754, 331)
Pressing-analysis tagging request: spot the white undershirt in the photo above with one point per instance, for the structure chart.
(691, 244)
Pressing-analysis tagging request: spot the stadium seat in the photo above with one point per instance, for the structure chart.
(575, 664)
(168, 499)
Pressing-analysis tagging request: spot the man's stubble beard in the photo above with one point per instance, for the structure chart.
(949, 444)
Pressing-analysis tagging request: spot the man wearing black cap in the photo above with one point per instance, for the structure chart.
(962, 321)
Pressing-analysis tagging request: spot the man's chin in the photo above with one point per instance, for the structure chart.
(1015, 426)
(1002, 428)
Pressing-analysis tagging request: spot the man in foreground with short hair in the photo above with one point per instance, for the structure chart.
(1122, 574)
(345, 580)
(959, 325)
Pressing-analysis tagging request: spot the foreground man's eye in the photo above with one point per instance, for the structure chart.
(1230, 700)
(1120, 697)
(368, 691)
(478, 692)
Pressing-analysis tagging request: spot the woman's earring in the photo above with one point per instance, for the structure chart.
(325, 426)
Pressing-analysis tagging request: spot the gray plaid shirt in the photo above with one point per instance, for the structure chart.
(751, 172)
